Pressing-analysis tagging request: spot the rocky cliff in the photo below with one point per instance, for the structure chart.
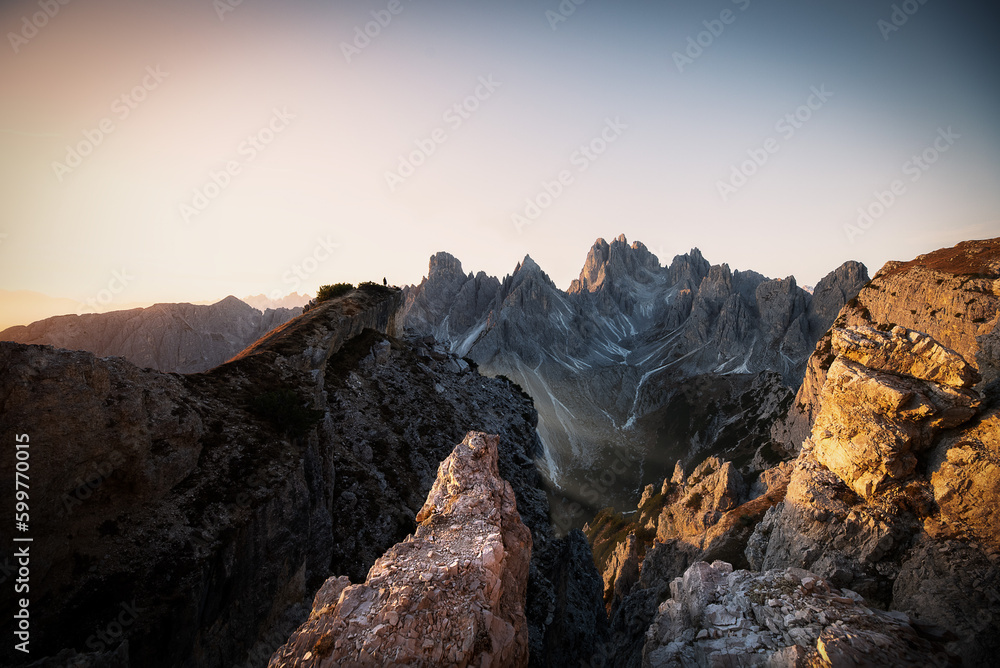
(952, 295)
(637, 362)
(893, 494)
(452, 594)
(185, 520)
(182, 338)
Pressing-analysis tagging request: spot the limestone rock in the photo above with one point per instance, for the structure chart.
(713, 488)
(720, 617)
(905, 352)
(952, 295)
(967, 484)
(452, 594)
(872, 424)
(622, 571)
(895, 492)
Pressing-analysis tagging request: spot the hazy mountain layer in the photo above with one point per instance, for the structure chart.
(183, 338)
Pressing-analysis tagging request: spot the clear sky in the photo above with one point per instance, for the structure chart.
(186, 150)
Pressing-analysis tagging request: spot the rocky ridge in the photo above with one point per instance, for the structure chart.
(215, 504)
(452, 594)
(181, 338)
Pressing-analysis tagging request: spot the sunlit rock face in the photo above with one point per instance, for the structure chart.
(951, 295)
(637, 365)
(453, 594)
(893, 494)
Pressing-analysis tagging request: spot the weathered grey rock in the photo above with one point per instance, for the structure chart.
(956, 587)
(720, 617)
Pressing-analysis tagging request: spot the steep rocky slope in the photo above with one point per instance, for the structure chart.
(183, 338)
(707, 515)
(952, 295)
(894, 492)
(452, 594)
(636, 363)
(215, 504)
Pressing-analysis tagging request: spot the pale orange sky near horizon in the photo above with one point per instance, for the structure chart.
(315, 195)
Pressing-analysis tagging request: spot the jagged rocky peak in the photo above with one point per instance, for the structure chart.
(832, 292)
(444, 265)
(617, 260)
(690, 268)
(451, 594)
(447, 302)
(527, 276)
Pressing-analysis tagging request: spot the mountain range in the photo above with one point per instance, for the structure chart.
(637, 363)
(182, 338)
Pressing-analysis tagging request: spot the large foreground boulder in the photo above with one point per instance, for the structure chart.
(451, 595)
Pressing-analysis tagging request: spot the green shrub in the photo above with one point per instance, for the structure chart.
(285, 410)
(327, 292)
